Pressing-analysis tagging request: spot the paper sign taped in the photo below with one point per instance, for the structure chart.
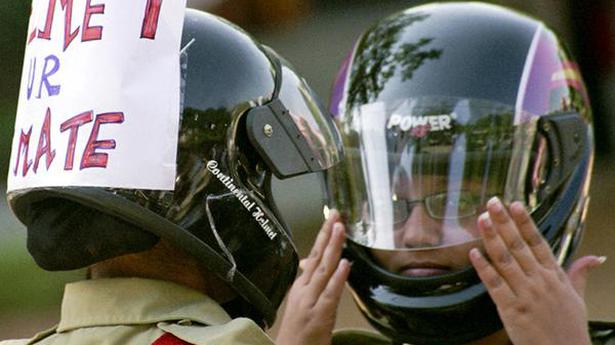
(99, 102)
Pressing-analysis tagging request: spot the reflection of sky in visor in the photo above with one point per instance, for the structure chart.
(375, 161)
(456, 175)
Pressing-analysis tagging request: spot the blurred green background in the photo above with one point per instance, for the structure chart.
(315, 36)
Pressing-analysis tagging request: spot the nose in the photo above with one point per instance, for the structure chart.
(420, 230)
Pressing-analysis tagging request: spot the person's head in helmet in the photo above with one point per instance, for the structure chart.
(244, 116)
(444, 110)
(436, 194)
(441, 108)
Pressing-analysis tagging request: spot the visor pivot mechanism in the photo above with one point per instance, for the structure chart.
(568, 140)
(272, 130)
(268, 130)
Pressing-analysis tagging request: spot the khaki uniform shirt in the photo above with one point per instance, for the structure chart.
(133, 311)
(602, 333)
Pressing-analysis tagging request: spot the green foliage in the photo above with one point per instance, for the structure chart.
(7, 119)
(14, 17)
(379, 57)
(24, 286)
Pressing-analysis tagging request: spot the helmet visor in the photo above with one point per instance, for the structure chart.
(312, 120)
(420, 171)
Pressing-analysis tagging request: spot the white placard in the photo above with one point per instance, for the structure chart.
(99, 102)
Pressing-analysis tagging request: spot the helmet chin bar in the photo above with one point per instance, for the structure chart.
(413, 307)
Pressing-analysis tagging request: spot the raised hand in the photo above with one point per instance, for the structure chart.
(312, 302)
(536, 300)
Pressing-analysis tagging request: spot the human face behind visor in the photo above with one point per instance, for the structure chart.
(422, 171)
(433, 229)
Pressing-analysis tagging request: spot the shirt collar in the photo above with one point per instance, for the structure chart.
(125, 301)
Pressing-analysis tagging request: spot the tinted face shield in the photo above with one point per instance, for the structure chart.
(419, 172)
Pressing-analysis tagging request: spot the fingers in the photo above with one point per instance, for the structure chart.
(497, 287)
(502, 260)
(329, 262)
(321, 269)
(324, 234)
(507, 230)
(531, 235)
(309, 264)
(516, 248)
(333, 291)
(525, 281)
(578, 271)
(315, 295)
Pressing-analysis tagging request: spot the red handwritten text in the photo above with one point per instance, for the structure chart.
(91, 158)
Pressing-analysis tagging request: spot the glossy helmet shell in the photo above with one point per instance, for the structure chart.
(474, 51)
(221, 210)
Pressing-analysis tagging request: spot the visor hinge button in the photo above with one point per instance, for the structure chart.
(268, 130)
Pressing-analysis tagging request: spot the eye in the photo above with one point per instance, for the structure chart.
(468, 204)
(452, 205)
(437, 205)
(400, 210)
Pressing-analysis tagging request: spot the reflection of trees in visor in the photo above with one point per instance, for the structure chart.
(311, 118)
(378, 57)
(477, 147)
(473, 156)
(312, 132)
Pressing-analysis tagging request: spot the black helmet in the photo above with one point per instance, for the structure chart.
(245, 114)
(441, 107)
